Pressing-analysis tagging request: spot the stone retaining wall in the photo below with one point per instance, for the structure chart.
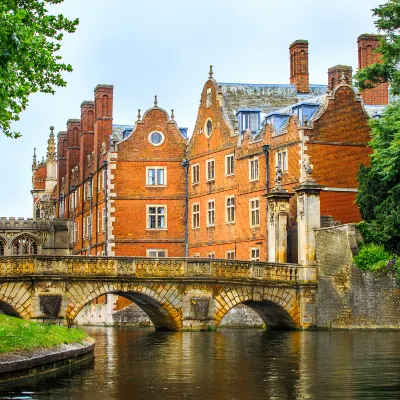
(29, 364)
(348, 298)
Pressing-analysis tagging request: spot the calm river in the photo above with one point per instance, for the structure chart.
(228, 364)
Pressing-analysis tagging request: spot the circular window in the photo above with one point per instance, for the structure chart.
(156, 138)
(208, 128)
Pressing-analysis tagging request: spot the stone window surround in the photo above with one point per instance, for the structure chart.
(156, 144)
(255, 253)
(254, 169)
(156, 168)
(256, 210)
(230, 216)
(196, 215)
(209, 162)
(230, 164)
(195, 174)
(165, 217)
(211, 212)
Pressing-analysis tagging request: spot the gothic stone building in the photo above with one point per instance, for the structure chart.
(146, 190)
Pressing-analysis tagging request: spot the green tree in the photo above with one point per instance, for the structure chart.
(29, 41)
(388, 24)
(378, 196)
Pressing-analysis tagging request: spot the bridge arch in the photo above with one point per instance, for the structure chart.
(15, 299)
(161, 302)
(277, 307)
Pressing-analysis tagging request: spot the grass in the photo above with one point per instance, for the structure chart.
(19, 334)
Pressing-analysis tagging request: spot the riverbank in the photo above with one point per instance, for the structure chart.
(28, 349)
(18, 334)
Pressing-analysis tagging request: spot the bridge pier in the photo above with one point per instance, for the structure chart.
(198, 310)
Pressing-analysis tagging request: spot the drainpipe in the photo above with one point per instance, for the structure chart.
(266, 155)
(105, 209)
(185, 164)
(90, 211)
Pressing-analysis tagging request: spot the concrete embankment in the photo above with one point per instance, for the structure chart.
(28, 364)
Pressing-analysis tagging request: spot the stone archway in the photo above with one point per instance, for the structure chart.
(277, 307)
(15, 299)
(161, 302)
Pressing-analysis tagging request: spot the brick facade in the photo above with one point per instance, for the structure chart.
(207, 197)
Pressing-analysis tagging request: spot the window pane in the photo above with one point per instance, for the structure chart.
(152, 253)
(162, 253)
(160, 221)
(151, 177)
(152, 210)
(160, 210)
(152, 220)
(160, 177)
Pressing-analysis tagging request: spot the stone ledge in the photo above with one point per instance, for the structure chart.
(26, 364)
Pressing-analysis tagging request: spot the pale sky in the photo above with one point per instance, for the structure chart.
(164, 47)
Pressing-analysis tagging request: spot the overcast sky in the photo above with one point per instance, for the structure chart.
(164, 47)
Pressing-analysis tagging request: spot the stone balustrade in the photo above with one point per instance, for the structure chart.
(190, 268)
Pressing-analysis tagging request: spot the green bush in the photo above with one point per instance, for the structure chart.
(373, 257)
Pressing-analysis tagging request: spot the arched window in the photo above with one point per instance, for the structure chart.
(24, 246)
(2, 248)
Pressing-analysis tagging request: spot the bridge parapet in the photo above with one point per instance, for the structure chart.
(136, 267)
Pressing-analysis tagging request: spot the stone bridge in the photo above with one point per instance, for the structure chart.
(176, 293)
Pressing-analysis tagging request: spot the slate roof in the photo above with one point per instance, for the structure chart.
(267, 97)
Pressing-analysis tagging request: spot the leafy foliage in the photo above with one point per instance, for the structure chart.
(29, 41)
(372, 257)
(388, 24)
(379, 193)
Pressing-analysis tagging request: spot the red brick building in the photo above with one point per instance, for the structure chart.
(145, 190)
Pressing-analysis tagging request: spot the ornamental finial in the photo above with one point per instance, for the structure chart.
(155, 101)
(138, 115)
(211, 73)
(34, 165)
(51, 146)
(172, 115)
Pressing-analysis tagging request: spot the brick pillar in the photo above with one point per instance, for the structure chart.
(299, 75)
(339, 74)
(278, 214)
(367, 45)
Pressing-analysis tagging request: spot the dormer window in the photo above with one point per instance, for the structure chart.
(278, 120)
(249, 118)
(305, 112)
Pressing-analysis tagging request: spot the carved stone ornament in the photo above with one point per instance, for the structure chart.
(198, 269)
(300, 205)
(307, 168)
(272, 213)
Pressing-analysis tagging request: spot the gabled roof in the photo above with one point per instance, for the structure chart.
(266, 97)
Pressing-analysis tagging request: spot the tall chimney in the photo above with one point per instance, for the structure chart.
(103, 106)
(299, 75)
(367, 56)
(86, 139)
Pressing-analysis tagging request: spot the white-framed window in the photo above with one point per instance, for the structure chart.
(156, 138)
(103, 222)
(84, 228)
(208, 128)
(196, 215)
(195, 174)
(230, 209)
(99, 180)
(98, 221)
(210, 170)
(230, 165)
(89, 189)
(211, 212)
(282, 159)
(103, 186)
(254, 211)
(195, 254)
(211, 254)
(253, 169)
(76, 198)
(254, 254)
(156, 216)
(157, 253)
(230, 254)
(71, 201)
(84, 192)
(156, 176)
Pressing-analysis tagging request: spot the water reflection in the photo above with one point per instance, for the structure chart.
(228, 364)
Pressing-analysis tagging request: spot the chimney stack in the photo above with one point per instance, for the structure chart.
(299, 75)
(367, 45)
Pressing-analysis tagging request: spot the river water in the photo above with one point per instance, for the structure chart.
(228, 364)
